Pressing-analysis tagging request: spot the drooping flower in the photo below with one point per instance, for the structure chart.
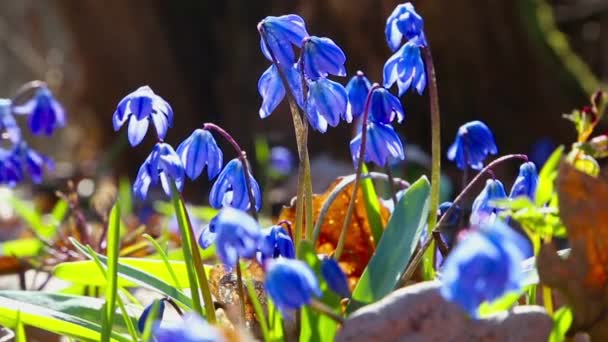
(272, 90)
(163, 163)
(139, 107)
(357, 89)
(45, 113)
(8, 125)
(383, 145)
(406, 68)
(200, 150)
(11, 172)
(322, 57)
(482, 210)
(526, 182)
(276, 242)
(238, 235)
(291, 284)
(335, 277)
(230, 188)
(159, 306)
(385, 107)
(404, 22)
(474, 142)
(192, 328)
(282, 33)
(326, 104)
(22, 159)
(281, 160)
(484, 266)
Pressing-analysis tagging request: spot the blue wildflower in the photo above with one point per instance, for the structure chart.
(483, 211)
(282, 33)
(321, 56)
(335, 277)
(474, 142)
(238, 235)
(290, 283)
(383, 145)
(160, 310)
(281, 160)
(326, 104)
(406, 68)
(207, 237)
(484, 266)
(45, 113)
(276, 242)
(192, 328)
(200, 150)
(526, 182)
(8, 124)
(404, 22)
(139, 107)
(270, 87)
(357, 89)
(385, 107)
(230, 188)
(164, 164)
(19, 160)
(452, 222)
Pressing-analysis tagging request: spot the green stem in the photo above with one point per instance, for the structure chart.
(391, 184)
(239, 284)
(428, 270)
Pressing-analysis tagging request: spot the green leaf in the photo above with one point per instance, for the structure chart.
(396, 247)
(33, 218)
(165, 259)
(113, 248)
(562, 319)
(501, 304)
(372, 207)
(60, 210)
(20, 335)
(275, 320)
(73, 316)
(21, 248)
(546, 177)
(125, 196)
(314, 325)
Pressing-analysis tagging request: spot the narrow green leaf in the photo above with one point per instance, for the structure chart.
(165, 259)
(60, 210)
(562, 319)
(257, 307)
(21, 248)
(372, 207)
(546, 177)
(124, 196)
(501, 304)
(396, 247)
(32, 217)
(277, 333)
(113, 248)
(20, 335)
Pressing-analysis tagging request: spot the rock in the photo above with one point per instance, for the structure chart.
(419, 313)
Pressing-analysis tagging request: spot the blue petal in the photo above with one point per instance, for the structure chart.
(137, 130)
(357, 89)
(142, 182)
(281, 33)
(271, 89)
(207, 238)
(321, 56)
(328, 99)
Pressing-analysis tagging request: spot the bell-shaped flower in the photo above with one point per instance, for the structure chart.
(23, 159)
(321, 56)
(8, 125)
(474, 142)
(162, 164)
(382, 146)
(357, 89)
(200, 150)
(238, 235)
(406, 68)
(191, 328)
(272, 91)
(11, 171)
(282, 33)
(451, 223)
(139, 107)
(404, 22)
(483, 210)
(230, 188)
(335, 277)
(385, 107)
(45, 113)
(276, 242)
(281, 160)
(526, 182)
(484, 266)
(326, 104)
(158, 306)
(291, 284)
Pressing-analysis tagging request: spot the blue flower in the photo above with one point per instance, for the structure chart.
(207, 237)
(281, 160)
(484, 266)
(335, 277)
(385, 107)
(139, 107)
(23, 159)
(160, 310)
(404, 22)
(230, 188)
(474, 142)
(383, 145)
(357, 89)
(270, 87)
(406, 68)
(452, 222)
(483, 211)
(164, 164)
(326, 104)
(8, 124)
(321, 56)
(200, 150)
(45, 113)
(192, 328)
(238, 235)
(11, 172)
(291, 284)
(276, 242)
(281, 34)
(526, 182)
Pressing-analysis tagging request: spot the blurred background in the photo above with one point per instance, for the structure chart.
(515, 64)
